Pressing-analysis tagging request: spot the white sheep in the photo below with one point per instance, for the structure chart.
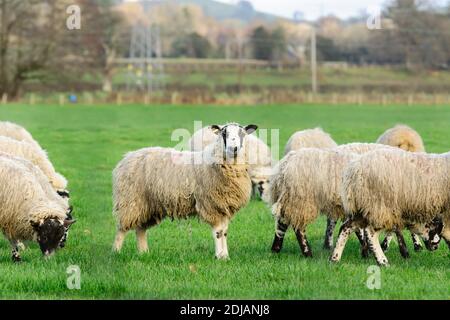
(26, 212)
(16, 132)
(309, 138)
(153, 183)
(305, 183)
(259, 157)
(38, 157)
(403, 137)
(392, 189)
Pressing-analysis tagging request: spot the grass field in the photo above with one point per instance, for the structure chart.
(85, 143)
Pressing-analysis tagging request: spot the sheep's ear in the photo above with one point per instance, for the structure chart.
(251, 128)
(215, 128)
(68, 223)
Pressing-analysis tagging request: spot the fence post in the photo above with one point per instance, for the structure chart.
(119, 99)
(360, 99)
(5, 98)
(61, 100)
(410, 100)
(384, 100)
(32, 99)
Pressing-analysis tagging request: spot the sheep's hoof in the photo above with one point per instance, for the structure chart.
(222, 257)
(143, 251)
(418, 247)
(383, 263)
(384, 246)
(405, 254)
(16, 259)
(334, 259)
(276, 249)
(327, 246)
(307, 254)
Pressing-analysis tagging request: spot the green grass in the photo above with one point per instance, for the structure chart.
(85, 143)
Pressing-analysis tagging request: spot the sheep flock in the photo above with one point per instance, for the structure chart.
(387, 186)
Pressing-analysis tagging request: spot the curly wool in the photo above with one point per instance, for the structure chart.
(16, 132)
(22, 200)
(361, 148)
(41, 178)
(153, 183)
(392, 188)
(35, 155)
(310, 138)
(306, 182)
(402, 137)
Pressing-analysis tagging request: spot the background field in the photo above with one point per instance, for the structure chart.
(86, 142)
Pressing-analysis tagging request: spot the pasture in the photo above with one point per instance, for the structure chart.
(86, 142)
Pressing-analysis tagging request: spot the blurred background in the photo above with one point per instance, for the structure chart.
(224, 52)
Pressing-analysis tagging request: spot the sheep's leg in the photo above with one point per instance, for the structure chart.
(346, 229)
(15, 250)
(363, 241)
(303, 242)
(219, 234)
(280, 232)
(141, 236)
(372, 237)
(416, 241)
(402, 244)
(118, 242)
(387, 240)
(328, 243)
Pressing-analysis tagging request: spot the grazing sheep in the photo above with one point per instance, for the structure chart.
(153, 183)
(259, 157)
(38, 157)
(46, 187)
(16, 132)
(392, 189)
(310, 138)
(402, 137)
(406, 138)
(305, 183)
(26, 212)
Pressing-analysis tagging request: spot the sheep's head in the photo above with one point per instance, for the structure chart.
(233, 136)
(50, 233)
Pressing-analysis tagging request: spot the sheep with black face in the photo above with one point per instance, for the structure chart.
(151, 184)
(27, 213)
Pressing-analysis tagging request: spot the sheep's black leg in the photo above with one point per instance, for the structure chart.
(15, 251)
(280, 232)
(328, 243)
(387, 240)
(363, 241)
(416, 241)
(402, 244)
(303, 242)
(346, 229)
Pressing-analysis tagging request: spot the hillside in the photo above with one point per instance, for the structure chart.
(243, 11)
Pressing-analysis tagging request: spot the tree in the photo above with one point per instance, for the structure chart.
(192, 45)
(262, 43)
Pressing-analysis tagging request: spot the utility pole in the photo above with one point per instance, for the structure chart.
(313, 60)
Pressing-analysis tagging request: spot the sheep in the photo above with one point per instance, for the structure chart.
(310, 138)
(259, 154)
(403, 137)
(49, 191)
(305, 183)
(356, 148)
(153, 183)
(392, 189)
(406, 138)
(17, 132)
(26, 211)
(38, 157)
